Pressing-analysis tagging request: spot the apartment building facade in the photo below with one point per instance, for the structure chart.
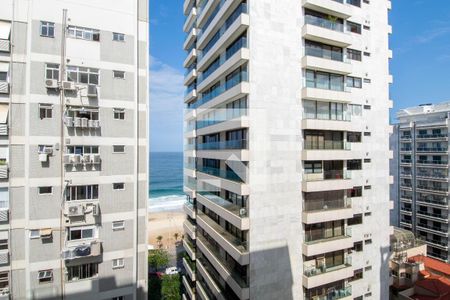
(422, 189)
(286, 149)
(73, 98)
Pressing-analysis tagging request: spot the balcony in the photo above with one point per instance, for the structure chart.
(81, 123)
(320, 244)
(407, 162)
(189, 266)
(432, 163)
(439, 136)
(441, 203)
(432, 149)
(237, 283)
(327, 124)
(326, 65)
(224, 120)
(4, 87)
(190, 19)
(213, 286)
(190, 248)
(328, 150)
(5, 45)
(438, 189)
(344, 293)
(324, 31)
(334, 7)
(234, 214)
(232, 245)
(190, 58)
(189, 209)
(224, 145)
(324, 211)
(200, 289)
(189, 228)
(82, 160)
(82, 250)
(328, 180)
(187, 5)
(314, 275)
(224, 174)
(190, 76)
(190, 39)
(433, 216)
(187, 286)
(190, 95)
(433, 229)
(441, 244)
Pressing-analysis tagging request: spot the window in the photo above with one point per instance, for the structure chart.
(3, 244)
(354, 82)
(354, 137)
(367, 134)
(117, 263)
(118, 225)
(52, 71)
(35, 234)
(83, 33)
(82, 75)
(367, 187)
(82, 150)
(118, 37)
(368, 268)
(365, 27)
(119, 74)
(119, 186)
(313, 167)
(354, 54)
(81, 192)
(368, 242)
(322, 80)
(367, 80)
(367, 160)
(45, 111)
(118, 148)
(45, 190)
(82, 271)
(354, 2)
(3, 76)
(119, 113)
(357, 274)
(356, 220)
(355, 109)
(353, 27)
(358, 246)
(47, 29)
(367, 214)
(323, 50)
(366, 54)
(354, 164)
(356, 191)
(45, 276)
(367, 107)
(79, 233)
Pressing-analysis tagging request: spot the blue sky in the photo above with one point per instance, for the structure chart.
(420, 41)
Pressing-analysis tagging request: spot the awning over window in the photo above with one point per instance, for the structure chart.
(4, 108)
(5, 29)
(45, 232)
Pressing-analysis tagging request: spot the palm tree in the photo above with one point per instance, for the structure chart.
(158, 240)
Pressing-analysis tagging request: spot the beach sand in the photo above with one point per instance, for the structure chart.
(165, 224)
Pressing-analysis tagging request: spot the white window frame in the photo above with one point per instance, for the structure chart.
(118, 225)
(82, 228)
(118, 37)
(84, 149)
(44, 194)
(118, 263)
(89, 190)
(118, 74)
(35, 234)
(74, 74)
(119, 114)
(118, 149)
(54, 69)
(46, 107)
(47, 25)
(45, 274)
(119, 189)
(83, 33)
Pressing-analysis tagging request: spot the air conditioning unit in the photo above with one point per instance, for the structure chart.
(43, 157)
(68, 86)
(76, 122)
(84, 122)
(92, 90)
(51, 83)
(95, 210)
(75, 210)
(68, 121)
(47, 150)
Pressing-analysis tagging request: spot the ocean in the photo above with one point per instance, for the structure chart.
(166, 181)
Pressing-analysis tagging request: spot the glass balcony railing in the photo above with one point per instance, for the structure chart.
(231, 82)
(324, 53)
(234, 144)
(190, 88)
(432, 188)
(235, 47)
(432, 175)
(188, 70)
(430, 214)
(189, 165)
(432, 149)
(432, 162)
(432, 136)
(322, 235)
(435, 228)
(328, 175)
(321, 204)
(211, 16)
(437, 201)
(405, 137)
(442, 243)
(324, 23)
(327, 145)
(225, 174)
(222, 115)
(313, 270)
(242, 8)
(405, 149)
(237, 243)
(333, 293)
(225, 204)
(406, 161)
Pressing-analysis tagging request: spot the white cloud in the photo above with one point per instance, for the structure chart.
(166, 106)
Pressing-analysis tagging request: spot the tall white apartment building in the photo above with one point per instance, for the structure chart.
(73, 149)
(287, 149)
(422, 177)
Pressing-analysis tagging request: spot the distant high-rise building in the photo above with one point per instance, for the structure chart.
(423, 175)
(73, 149)
(287, 149)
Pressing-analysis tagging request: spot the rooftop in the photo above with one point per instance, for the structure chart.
(438, 286)
(433, 265)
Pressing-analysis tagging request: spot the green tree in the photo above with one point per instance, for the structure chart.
(170, 287)
(158, 258)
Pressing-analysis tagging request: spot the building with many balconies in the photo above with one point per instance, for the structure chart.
(286, 149)
(422, 137)
(73, 149)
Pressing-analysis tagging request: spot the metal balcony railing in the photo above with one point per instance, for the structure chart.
(313, 270)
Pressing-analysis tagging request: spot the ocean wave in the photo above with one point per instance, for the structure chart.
(166, 203)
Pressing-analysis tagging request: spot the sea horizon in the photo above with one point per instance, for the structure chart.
(166, 181)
